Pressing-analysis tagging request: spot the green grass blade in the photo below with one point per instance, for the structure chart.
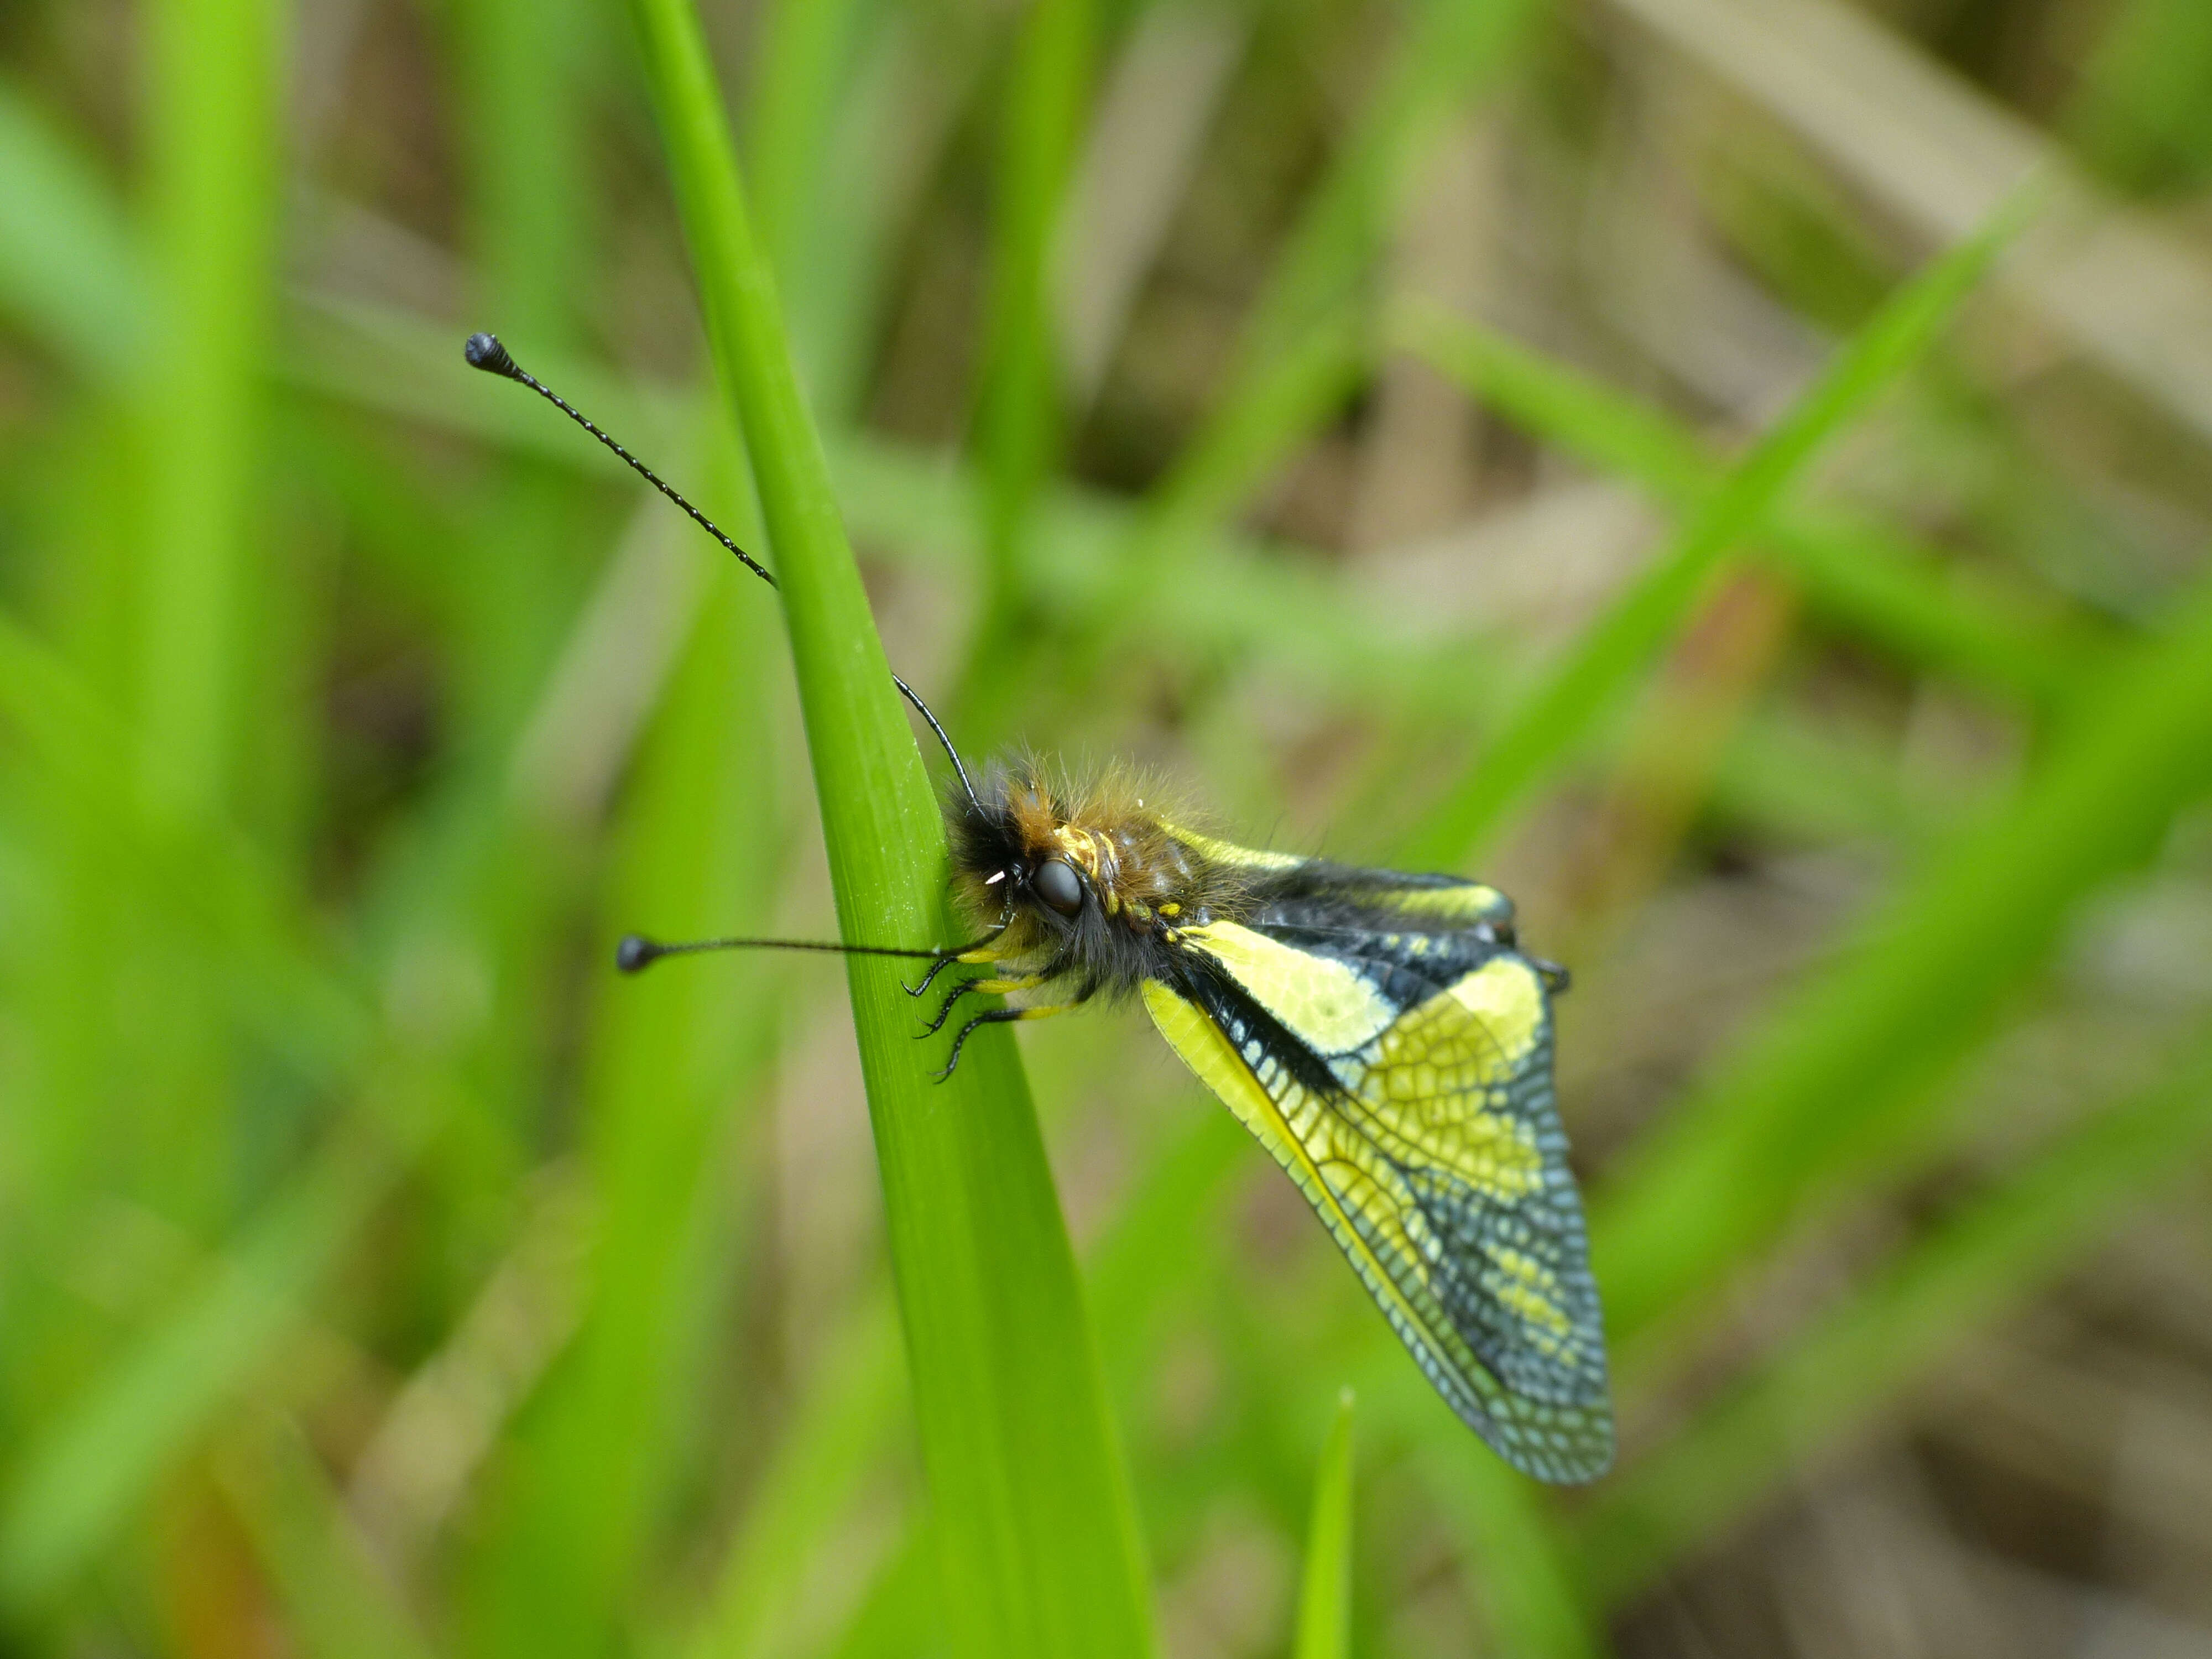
(902, 1616)
(69, 272)
(839, 1436)
(2139, 114)
(1863, 576)
(77, 1486)
(1273, 409)
(842, 127)
(1018, 415)
(1243, 594)
(523, 146)
(1849, 1369)
(1574, 696)
(1841, 1076)
(1269, 604)
(845, 1427)
(806, 48)
(214, 147)
(1521, 1560)
(1448, 48)
(245, 925)
(663, 1085)
(1035, 1530)
(1304, 349)
(1324, 1628)
(335, 1596)
(1608, 429)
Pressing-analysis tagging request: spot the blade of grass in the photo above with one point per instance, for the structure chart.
(1574, 696)
(2139, 115)
(1609, 430)
(214, 147)
(1273, 410)
(805, 50)
(96, 1464)
(1941, 153)
(663, 1071)
(841, 1434)
(1157, 102)
(903, 1616)
(525, 197)
(437, 1427)
(197, 578)
(1841, 1076)
(1268, 603)
(336, 1599)
(1525, 1570)
(1851, 1367)
(69, 272)
(848, 1428)
(1519, 1564)
(1018, 414)
(243, 919)
(1244, 594)
(1034, 1529)
(1305, 350)
(1324, 1625)
(1449, 49)
(1864, 576)
(847, 113)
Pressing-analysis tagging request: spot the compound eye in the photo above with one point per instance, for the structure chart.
(1057, 885)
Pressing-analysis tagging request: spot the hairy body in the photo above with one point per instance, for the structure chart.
(1380, 1033)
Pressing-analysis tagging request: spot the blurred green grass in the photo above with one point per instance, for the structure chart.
(378, 1275)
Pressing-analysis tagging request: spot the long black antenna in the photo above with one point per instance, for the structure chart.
(636, 951)
(484, 351)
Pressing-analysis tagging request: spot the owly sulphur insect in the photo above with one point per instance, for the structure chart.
(1381, 1034)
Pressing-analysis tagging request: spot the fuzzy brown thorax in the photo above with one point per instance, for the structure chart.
(1141, 874)
(1142, 871)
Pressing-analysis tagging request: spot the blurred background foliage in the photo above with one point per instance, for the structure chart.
(1600, 444)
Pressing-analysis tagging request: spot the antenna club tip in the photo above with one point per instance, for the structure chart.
(484, 351)
(635, 951)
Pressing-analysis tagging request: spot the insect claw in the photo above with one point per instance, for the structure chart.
(928, 978)
(945, 1009)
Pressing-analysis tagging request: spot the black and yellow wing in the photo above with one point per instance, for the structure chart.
(1394, 1053)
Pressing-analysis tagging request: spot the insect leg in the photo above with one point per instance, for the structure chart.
(977, 952)
(930, 978)
(1052, 969)
(989, 986)
(1004, 1016)
(974, 957)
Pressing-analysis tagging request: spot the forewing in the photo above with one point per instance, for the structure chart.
(1419, 1122)
(1442, 903)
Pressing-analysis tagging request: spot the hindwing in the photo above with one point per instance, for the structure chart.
(1398, 1067)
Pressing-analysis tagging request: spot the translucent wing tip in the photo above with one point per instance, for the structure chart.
(1562, 1446)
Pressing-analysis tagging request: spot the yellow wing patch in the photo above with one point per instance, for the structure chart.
(1504, 995)
(1435, 1162)
(1206, 1050)
(1229, 852)
(1431, 1090)
(1462, 902)
(1331, 1007)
